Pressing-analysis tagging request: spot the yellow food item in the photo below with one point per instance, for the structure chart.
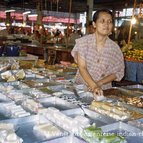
(20, 74)
(11, 78)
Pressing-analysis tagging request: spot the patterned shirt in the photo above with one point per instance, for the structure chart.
(100, 63)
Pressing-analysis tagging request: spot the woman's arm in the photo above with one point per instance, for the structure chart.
(95, 88)
(106, 79)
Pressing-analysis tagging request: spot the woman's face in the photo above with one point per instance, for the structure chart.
(104, 24)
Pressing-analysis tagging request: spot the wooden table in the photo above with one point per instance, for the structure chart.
(61, 53)
(44, 52)
(33, 49)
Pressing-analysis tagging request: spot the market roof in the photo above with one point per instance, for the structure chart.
(63, 5)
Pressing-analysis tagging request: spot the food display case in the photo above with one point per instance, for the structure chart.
(41, 106)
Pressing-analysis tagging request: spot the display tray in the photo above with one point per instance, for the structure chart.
(136, 89)
(16, 84)
(88, 97)
(118, 91)
(57, 88)
(93, 117)
(24, 129)
(33, 93)
(31, 76)
(11, 110)
(132, 108)
(3, 116)
(39, 83)
(35, 83)
(131, 134)
(125, 95)
(137, 123)
(68, 139)
(73, 99)
(130, 112)
(4, 98)
(57, 103)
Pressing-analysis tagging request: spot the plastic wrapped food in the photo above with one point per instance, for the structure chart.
(93, 134)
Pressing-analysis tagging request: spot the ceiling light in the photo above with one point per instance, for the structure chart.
(26, 12)
(32, 15)
(10, 10)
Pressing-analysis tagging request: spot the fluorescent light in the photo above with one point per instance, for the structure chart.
(26, 12)
(10, 10)
(126, 19)
(32, 15)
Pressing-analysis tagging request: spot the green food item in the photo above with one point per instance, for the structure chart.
(93, 134)
(47, 90)
(113, 138)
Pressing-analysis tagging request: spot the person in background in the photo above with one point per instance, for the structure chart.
(35, 37)
(100, 60)
(73, 36)
(90, 28)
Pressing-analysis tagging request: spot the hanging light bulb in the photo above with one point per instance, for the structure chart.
(133, 20)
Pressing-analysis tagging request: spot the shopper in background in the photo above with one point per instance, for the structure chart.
(35, 37)
(90, 28)
(75, 34)
(99, 59)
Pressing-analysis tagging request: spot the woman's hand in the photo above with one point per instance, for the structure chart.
(96, 90)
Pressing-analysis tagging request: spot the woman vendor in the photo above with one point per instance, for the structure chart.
(100, 60)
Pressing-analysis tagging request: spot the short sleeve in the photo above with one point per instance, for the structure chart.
(79, 48)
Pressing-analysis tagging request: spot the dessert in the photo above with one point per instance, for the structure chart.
(48, 130)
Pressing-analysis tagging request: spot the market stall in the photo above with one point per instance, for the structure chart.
(133, 54)
(41, 105)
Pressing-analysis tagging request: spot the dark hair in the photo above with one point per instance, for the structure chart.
(90, 23)
(96, 14)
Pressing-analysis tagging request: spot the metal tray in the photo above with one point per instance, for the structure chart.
(57, 88)
(137, 123)
(68, 139)
(4, 98)
(73, 99)
(86, 97)
(136, 86)
(94, 117)
(57, 103)
(3, 116)
(32, 93)
(135, 89)
(123, 91)
(131, 134)
(24, 129)
(34, 83)
(137, 113)
(131, 107)
(16, 84)
(11, 110)
(132, 90)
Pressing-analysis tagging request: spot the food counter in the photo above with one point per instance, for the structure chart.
(51, 54)
(60, 53)
(41, 105)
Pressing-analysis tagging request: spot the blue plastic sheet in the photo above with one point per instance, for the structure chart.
(134, 71)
